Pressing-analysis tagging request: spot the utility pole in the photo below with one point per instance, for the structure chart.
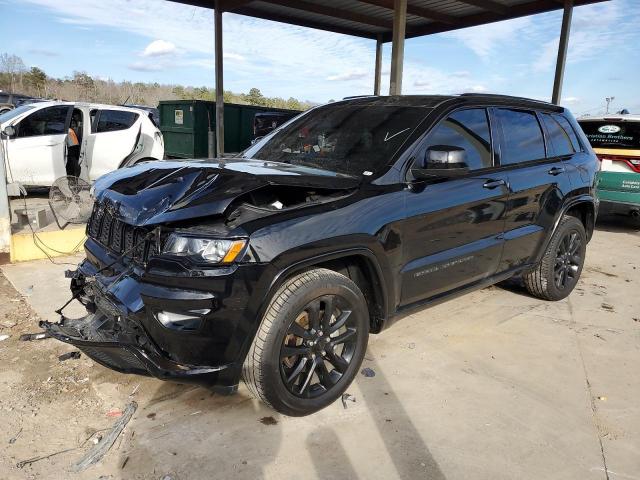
(609, 100)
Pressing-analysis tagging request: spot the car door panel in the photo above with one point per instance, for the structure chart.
(538, 187)
(452, 234)
(36, 156)
(106, 149)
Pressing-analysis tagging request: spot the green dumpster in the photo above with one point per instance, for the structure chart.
(185, 125)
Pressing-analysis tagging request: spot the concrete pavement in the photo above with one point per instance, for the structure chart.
(492, 385)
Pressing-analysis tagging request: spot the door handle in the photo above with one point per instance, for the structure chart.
(494, 183)
(556, 171)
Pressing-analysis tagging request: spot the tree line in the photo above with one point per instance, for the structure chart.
(15, 77)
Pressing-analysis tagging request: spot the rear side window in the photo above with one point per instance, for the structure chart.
(559, 138)
(114, 120)
(523, 140)
(468, 129)
(564, 123)
(48, 121)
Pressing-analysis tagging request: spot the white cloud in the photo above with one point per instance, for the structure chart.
(159, 48)
(353, 75)
(486, 40)
(145, 67)
(233, 56)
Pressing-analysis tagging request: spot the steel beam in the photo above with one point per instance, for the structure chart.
(397, 48)
(219, 80)
(563, 45)
(378, 71)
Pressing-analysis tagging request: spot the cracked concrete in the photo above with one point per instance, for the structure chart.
(493, 385)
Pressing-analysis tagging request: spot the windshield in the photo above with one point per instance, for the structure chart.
(612, 133)
(350, 139)
(11, 114)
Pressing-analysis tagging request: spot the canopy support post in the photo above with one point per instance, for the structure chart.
(563, 46)
(378, 69)
(219, 80)
(397, 49)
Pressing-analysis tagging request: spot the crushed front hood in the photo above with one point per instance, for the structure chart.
(168, 191)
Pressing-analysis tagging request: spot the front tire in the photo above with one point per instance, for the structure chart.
(310, 343)
(559, 270)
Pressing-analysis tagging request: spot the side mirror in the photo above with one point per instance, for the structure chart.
(9, 131)
(441, 161)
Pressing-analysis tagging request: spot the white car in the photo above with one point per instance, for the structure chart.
(41, 142)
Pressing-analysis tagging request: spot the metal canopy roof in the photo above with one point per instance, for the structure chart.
(373, 18)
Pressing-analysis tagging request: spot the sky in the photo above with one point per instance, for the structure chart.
(164, 42)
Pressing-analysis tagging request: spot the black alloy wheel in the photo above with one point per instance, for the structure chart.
(318, 347)
(568, 260)
(310, 343)
(557, 273)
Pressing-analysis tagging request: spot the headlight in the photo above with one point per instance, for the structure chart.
(204, 249)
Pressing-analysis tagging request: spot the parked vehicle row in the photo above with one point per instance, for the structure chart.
(45, 141)
(276, 266)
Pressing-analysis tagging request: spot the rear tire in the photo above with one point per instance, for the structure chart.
(310, 343)
(559, 270)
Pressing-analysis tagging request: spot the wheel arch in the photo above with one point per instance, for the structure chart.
(584, 209)
(360, 265)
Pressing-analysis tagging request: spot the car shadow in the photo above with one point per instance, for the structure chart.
(404, 444)
(617, 223)
(185, 431)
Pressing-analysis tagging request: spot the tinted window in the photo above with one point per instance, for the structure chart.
(114, 120)
(48, 121)
(558, 136)
(343, 138)
(468, 129)
(612, 133)
(523, 140)
(569, 129)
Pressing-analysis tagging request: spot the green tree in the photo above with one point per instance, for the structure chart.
(255, 97)
(37, 80)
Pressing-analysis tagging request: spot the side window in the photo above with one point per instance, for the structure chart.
(523, 140)
(560, 140)
(468, 129)
(564, 123)
(114, 120)
(48, 121)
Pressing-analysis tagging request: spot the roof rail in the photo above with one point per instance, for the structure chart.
(359, 96)
(498, 95)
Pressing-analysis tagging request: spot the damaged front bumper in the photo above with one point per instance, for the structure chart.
(122, 346)
(124, 328)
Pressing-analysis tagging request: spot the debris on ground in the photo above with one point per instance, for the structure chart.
(411, 346)
(268, 421)
(69, 355)
(96, 453)
(114, 412)
(347, 397)
(3, 337)
(27, 337)
(368, 372)
(13, 439)
(608, 307)
(135, 390)
(602, 398)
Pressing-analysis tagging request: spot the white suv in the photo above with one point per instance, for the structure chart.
(41, 142)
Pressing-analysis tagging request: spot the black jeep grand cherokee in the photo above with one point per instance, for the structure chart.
(275, 266)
